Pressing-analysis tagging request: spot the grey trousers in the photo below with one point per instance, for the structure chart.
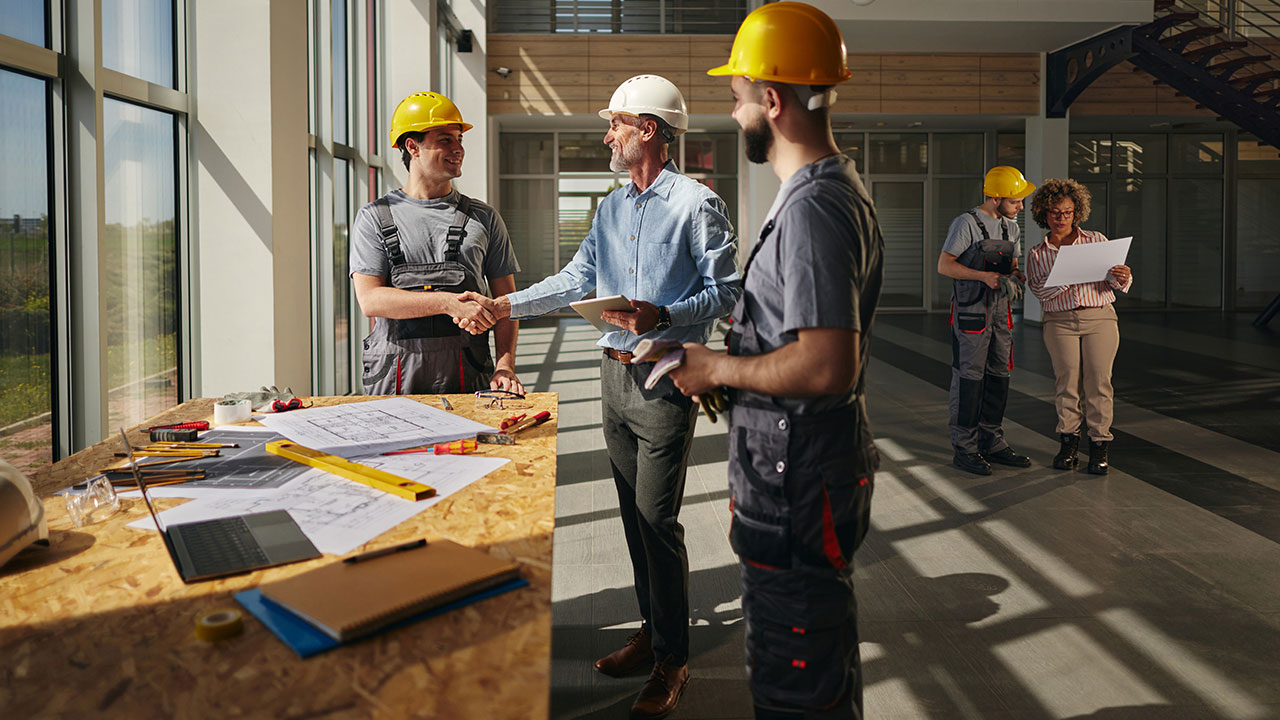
(981, 361)
(648, 434)
(1082, 344)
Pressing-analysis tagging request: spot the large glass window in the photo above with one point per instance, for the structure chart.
(1195, 242)
(26, 384)
(1139, 210)
(528, 208)
(951, 197)
(137, 39)
(900, 210)
(141, 275)
(341, 278)
(1166, 191)
(958, 154)
(24, 20)
(1257, 217)
(552, 183)
(894, 154)
(712, 159)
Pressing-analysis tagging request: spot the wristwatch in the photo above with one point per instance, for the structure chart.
(664, 319)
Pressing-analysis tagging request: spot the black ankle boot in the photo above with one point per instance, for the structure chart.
(1066, 457)
(1098, 457)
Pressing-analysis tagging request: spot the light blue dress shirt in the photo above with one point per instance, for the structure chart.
(670, 245)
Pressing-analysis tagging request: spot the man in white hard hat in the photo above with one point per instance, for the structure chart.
(415, 251)
(664, 241)
(801, 458)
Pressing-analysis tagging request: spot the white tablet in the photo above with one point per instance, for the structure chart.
(591, 309)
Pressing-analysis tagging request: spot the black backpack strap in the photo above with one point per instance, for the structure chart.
(387, 227)
(458, 231)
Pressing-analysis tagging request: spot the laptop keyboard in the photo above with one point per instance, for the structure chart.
(223, 545)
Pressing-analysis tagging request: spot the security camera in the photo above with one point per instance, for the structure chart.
(505, 72)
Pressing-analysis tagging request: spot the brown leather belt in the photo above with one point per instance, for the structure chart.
(621, 356)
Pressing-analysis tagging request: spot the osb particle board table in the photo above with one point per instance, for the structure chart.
(100, 624)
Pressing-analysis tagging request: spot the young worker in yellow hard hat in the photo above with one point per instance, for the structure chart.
(415, 251)
(664, 241)
(801, 458)
(981, 255)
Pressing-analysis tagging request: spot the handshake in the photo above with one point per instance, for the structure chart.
(476, 313)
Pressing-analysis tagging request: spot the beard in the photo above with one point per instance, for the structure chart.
(759, 140)
(626, 154)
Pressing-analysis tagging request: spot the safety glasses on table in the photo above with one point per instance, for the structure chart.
(501, 400)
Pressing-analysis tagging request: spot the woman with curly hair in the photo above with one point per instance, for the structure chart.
(1080, 327)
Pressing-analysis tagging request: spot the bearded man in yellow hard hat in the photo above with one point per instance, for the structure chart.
(981, 256)
(801, 457)
(418, 254)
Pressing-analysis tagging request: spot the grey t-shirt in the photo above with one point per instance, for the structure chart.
(423, 225)
(964, 232)
(821, 267)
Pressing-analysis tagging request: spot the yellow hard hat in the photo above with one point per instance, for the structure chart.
(788, 42)
(1006, 182)
(423, 111)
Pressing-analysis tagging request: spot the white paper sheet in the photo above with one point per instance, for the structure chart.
(371, 427)
(337, 514)
(1087, 262)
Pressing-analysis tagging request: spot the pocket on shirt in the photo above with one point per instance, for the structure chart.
(660, 249)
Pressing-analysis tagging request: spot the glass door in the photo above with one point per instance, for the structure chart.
(900, 208)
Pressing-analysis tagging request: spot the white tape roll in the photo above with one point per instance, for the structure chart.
(228, 412)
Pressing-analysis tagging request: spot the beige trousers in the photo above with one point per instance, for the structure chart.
(1082, 344)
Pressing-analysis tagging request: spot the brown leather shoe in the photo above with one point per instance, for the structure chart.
(637, 653)
(661, 692)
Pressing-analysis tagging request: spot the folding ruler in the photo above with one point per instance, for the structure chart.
(372, 477)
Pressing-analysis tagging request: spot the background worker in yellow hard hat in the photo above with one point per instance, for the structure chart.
(801, 458)
(664, 241)
(981, 255)
(415, 251)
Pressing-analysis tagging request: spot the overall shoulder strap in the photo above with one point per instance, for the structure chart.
(387, 227)
(983, 228)
(458, 231)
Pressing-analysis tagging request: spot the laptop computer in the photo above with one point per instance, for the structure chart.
(217, 548)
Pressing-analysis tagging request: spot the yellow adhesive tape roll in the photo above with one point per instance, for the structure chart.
(219, 625)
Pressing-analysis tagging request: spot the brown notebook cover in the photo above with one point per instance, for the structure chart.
(349, 600)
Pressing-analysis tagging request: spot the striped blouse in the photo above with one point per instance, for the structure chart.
(1069, 297)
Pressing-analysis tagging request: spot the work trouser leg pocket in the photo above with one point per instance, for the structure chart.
(971, 322)
(804, 666)
(759, 532)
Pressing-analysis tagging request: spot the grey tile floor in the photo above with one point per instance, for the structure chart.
(1152, 592)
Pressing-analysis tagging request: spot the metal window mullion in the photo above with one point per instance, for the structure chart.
(86, 386)
(60, 291)
(322, 209)
(29, 58)
(142, 92)
(555, 183)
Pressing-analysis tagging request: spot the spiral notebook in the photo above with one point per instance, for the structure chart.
(350, 600)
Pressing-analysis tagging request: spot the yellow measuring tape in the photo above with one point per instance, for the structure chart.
(219, 625)
(372, 477)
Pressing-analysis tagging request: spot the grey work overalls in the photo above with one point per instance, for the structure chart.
(430, 354)
(800, 496)
(981, 347)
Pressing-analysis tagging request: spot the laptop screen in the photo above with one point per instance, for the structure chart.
(142, 485)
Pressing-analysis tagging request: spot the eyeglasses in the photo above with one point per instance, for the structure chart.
(501, 400)
(1062, 213)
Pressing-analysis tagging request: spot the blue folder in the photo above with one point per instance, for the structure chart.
(307, 640)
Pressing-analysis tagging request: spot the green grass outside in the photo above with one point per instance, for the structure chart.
(24, 387)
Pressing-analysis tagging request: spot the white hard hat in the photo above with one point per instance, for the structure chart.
(650, 95)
